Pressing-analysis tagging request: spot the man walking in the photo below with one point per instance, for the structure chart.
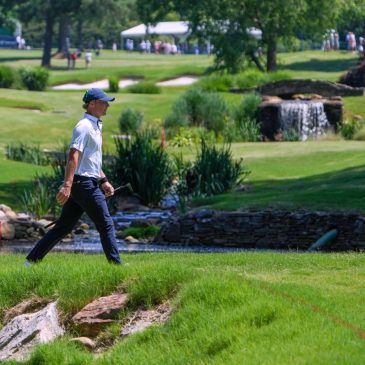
(84, 179)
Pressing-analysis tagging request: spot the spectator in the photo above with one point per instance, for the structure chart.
(88, 58)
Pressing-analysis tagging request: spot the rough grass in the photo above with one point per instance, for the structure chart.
(254, 308)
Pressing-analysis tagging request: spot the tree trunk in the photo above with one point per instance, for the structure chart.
(47, 47)
(64, 34)
(271, 56)
(79, 34)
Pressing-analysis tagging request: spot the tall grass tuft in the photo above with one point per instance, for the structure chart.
(26, 153)
(145, 165)
(40, 200)
(214, 172)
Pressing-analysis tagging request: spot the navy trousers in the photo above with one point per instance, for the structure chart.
(86, 196)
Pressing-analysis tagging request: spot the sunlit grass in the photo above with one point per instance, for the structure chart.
(257, 308)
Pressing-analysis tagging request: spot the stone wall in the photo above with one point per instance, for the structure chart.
(264, 229)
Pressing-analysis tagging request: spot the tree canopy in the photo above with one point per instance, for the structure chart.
(225, 23)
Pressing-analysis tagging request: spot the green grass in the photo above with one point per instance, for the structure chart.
(326, 175)
(15, 178)
(242, 308)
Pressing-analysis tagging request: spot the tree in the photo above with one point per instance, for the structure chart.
(226, 22)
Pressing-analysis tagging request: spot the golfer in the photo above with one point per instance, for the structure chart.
(84, 180)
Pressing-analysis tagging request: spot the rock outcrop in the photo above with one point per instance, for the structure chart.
(22, 333)
(103, 311)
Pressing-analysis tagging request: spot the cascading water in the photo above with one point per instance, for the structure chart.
(305, 118)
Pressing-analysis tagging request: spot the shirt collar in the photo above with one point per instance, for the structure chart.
(93, 119)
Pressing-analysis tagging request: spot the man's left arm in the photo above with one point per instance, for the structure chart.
(106, 185)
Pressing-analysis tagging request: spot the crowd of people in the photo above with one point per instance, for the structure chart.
(331, 41)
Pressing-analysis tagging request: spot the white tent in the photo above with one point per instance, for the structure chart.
(162, 28)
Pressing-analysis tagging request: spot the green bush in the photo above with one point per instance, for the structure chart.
(35, 79)
(253, 78)
(214, 171)
(145, 165)
(113, 84)
(26, 153)
(349, 128)
(130, 121)
(144, 87)
(6, 77)
(141, 232)
(197, 108)
(245, 126)
(40, 200)
(216, 82)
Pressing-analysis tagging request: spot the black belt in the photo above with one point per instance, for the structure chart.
(78, 178)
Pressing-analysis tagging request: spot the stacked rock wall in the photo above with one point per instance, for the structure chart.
(264, 229)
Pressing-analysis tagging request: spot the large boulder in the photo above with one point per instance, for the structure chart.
(7, 230)
(98, 314)
(23, 332)
(355, 77)
(288, 88)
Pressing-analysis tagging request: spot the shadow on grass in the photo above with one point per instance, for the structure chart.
(322, 65)
(10, 193)
(342, 190)
(12, 59)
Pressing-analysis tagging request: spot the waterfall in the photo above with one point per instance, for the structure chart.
(304, 118)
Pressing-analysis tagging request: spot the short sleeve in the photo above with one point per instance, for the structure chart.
(80, 137)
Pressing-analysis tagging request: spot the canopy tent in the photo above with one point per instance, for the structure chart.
(178, 29)
(163, 28)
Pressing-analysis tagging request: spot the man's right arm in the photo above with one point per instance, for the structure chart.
(65, 190)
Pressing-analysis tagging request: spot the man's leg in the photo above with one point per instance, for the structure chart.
(71, 213)
(94, 204)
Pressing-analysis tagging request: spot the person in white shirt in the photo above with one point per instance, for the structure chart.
(84, 183)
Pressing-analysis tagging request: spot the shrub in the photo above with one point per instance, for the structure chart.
(141, 232)
(40, 200)
(113, 84)
(145, 165)
(26, 153)
(130, 121)
(216, 82)
(252, 78)
(244, 116)
(291, 135)
(200, 109)
(34, 79)
(214, 171)
(144, 87)
(349, 128)
(6, 77)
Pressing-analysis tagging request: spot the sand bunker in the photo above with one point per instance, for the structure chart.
(180, 81)
(101, 84)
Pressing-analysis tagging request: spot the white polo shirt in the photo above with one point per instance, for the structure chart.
(86, 138)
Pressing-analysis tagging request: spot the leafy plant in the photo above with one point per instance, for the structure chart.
(40, 200)
(141, 232)
(144, 87)
(130, 121)
(197, 108)
(349, 128)
(6, 77)
(113, 84)
(246, 127)
(213, 172)
(27, 153)
(35, 79)
(216, 82)
(145, 165)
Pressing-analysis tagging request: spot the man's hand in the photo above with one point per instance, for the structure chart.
(63, 194)
(108, 188)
